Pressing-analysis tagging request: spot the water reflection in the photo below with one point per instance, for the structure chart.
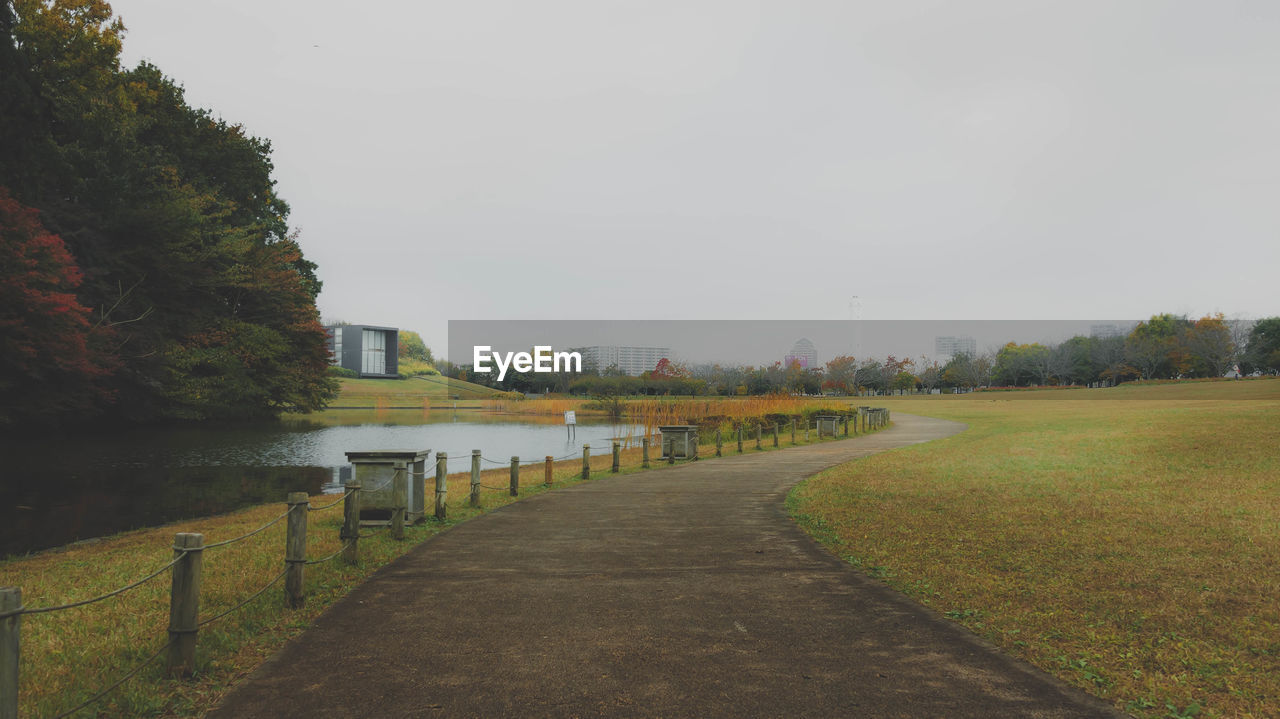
(61, 490)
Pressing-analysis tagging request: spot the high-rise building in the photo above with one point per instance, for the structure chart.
(630, 360)
(952, 346)
(802, 353)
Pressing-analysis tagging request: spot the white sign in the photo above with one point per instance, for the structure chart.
(569, 417)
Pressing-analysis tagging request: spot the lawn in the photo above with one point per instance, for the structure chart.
(413, 392)
(1126, 540)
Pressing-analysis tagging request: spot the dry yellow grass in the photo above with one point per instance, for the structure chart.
(1131, 547)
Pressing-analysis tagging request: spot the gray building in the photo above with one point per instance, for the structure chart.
(633, 361)
(367, 350)
(802, 353)
(952, 346)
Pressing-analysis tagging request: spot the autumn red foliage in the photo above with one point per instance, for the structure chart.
(48, 367)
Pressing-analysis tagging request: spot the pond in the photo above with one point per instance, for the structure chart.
(61, 490)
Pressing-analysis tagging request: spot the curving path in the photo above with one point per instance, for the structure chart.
(685, 592)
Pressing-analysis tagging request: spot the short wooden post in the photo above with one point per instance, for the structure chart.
(846, 426)
(806, 431)
(10, 650)
(442, 485)
(399, 501)
(184, 603)
(546, 474)
(793, 431)
(515, 473)
(617, 457)
(586, 461)
(671, 453)
(475, 478)
(644, 448)
(719, 441)
(739, 439)
(775, 434)
(350, 533)
(758, 437)
(295, 550)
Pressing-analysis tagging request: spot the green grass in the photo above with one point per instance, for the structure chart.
(1130, 547)
(414, 392)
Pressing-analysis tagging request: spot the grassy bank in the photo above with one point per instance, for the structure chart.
(415, 392)
(68, 656)
(1130, 547)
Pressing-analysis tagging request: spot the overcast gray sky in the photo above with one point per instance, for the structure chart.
(738, 160)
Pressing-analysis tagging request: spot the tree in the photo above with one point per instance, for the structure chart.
(171, 214)
(930, 375)
(412, 347)
(1154, 348)
(1209, 347)
(1263, 352)
(840, 374)
(50, 368)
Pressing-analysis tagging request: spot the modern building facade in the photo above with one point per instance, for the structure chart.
(952, 346)
(367, 350)
(803, 354)
(633, 361)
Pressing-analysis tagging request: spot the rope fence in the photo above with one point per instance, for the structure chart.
(189, 548)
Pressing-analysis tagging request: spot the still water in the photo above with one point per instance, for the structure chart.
(62, 490)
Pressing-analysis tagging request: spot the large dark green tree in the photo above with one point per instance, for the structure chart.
(170, 213)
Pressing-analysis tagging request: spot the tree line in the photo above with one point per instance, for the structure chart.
(1166, 346)
(149, 271)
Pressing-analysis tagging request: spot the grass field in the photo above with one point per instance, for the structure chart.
(412, 392)
(1127, 540)
(67, 656)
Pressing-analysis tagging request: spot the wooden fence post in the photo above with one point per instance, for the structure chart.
(586, 461)
(442, 484)
(617, 457)
(184, 603)
(644, 457)
(546, 475)
(515, 473)
(846, 426)
(806, 431)
(793, 431)
(739, 439)
(295, 550)
(10, 650)
(719, 441)
(475, 478)
(758, 437)
(350, 533)
(775, 434)
(399, 501)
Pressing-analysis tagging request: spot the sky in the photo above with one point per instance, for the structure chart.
(660, 160)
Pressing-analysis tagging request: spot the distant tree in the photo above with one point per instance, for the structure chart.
(1209, 347)
(840, 374)
(412, 347)
(49, 366)
(1263, 351)
(929, 374)
(1155, 348)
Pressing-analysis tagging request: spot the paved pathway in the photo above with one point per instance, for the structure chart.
(684, 592)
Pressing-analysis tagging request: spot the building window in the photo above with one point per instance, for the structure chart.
(374, 352)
